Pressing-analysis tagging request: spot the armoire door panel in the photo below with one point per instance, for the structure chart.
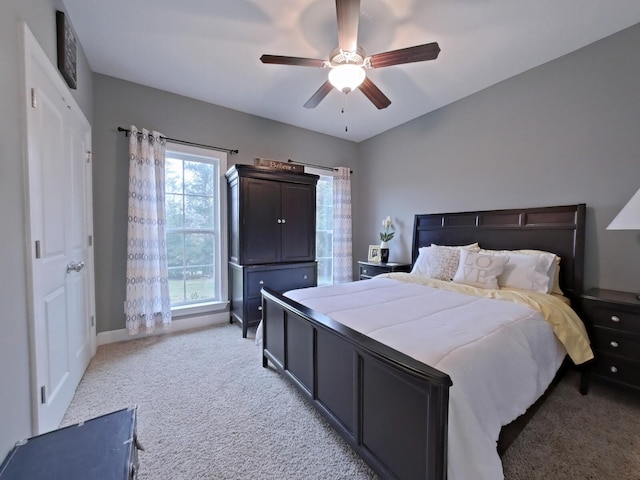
(260, 213)
(299, 227)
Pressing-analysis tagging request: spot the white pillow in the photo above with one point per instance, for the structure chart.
(472, 246)
(480, 270)
(555, 288)
(532, 270)
(554, 270)
(528, 272)
(421, 267)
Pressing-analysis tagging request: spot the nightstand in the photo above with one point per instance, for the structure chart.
(371, 269)
(613, 321)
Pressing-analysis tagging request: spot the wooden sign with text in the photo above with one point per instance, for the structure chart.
(276, 165)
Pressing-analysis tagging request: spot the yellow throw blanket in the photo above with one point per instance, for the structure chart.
(555, 309)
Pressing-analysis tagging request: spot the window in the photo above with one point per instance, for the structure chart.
(196, 246)
(324, 226)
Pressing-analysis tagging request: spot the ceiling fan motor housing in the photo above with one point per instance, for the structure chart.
(342, 57)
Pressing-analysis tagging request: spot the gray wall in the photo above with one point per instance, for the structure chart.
(563, 133)
(15, 413)
(120, 103)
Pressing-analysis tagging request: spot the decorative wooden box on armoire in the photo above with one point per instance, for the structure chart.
(272, 236)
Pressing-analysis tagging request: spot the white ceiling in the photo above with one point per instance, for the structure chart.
(210, 49)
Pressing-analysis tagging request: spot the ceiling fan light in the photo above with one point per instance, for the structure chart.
(346, 77)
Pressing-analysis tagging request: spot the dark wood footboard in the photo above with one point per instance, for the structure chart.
(391, 409)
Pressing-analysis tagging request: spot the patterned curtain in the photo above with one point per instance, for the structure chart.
(342, 236)
(147, 302)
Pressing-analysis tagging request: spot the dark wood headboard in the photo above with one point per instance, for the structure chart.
(554, 229)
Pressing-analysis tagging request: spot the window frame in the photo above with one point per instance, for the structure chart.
(323, 172)
(220, 228)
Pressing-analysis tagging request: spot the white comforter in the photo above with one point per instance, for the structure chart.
(501, 356)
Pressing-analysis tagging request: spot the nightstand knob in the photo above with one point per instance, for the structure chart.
(305, 277)
(613, 369)
(364, 270)
(261, 282)
(260, 308)
(614, 344)
(615, 318)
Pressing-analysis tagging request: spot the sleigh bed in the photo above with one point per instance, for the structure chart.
(391, 408)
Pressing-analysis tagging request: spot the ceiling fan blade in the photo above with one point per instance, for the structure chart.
(419, 53)
(317, 97)
(298, 61)
(374, 94)
(348, 12)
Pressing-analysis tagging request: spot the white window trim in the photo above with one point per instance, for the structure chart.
(222, 258)
(325, 173)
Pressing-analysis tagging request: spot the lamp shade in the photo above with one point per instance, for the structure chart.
(346, 77)
(629, 216)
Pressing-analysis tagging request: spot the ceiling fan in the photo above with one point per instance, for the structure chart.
(348, 62)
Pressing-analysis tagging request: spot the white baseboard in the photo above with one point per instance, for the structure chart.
(113, 336)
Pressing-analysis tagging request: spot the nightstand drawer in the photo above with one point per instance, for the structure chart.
(372, 270)
(614, 318)
(618, 369)
(610, 342)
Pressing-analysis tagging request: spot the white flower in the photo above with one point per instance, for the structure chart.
(388, 231)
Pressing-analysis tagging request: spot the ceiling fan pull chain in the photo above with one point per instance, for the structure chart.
(345, 111)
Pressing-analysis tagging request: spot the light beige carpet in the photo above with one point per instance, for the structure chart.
(208, 410)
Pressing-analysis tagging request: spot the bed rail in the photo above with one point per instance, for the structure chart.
(390, 408)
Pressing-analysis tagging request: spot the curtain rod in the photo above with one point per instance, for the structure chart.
(321, 167)
(185, 142)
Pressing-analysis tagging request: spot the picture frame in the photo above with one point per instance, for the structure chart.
(66, 39)
(374, 253)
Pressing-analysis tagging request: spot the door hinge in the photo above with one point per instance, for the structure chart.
(34, 98)
(43, 394)
(90, 240)
(93, 321)
(37, 248)
(89, 155)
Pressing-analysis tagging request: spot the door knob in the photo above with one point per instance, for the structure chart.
(75, 267)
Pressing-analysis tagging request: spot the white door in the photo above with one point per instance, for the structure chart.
(59, 231)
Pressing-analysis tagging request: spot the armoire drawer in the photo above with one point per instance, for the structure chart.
(280, 279)
(253, 310)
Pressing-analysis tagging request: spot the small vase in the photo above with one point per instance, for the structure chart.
(384, 252)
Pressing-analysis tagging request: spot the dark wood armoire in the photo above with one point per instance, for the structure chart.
(272, 236)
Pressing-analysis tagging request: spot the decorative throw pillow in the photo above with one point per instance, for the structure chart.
(442, 262)
(480, 270)
(439, 261)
